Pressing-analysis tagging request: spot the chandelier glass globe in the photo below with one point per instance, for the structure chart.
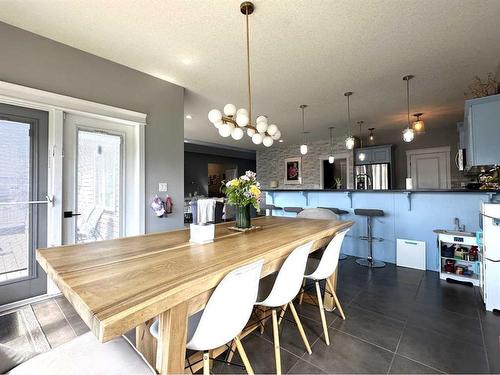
(272, 129)
(237, 133)
(230, 110)
(214, 116)
(257, 138)
(250, 132)
(225, 130)
(267, 141)
(362, 156)
(408, 135)
(331, 159)
(350, 142)
(303, 149)
(276, 135)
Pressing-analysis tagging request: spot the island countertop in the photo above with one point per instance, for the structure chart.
(385, 191)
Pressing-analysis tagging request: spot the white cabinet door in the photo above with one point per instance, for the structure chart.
(429, 168)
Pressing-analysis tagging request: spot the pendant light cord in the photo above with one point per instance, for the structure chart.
(349, 113)
(331, 140)
(248, 69)
(408, 99)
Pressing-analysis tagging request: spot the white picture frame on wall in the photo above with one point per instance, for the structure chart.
(293, 171)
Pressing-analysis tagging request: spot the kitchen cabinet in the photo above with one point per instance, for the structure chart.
(373, 155)
(482, 131)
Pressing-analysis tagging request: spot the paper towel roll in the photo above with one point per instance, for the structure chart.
(409, 184)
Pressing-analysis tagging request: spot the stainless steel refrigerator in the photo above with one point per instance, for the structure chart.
(372, 177)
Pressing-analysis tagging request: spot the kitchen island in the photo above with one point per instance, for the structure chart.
(409, 214)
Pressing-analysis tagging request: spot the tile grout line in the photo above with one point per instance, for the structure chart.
(484, 341)
(421, 363)
(364, 340)
(397, 347)
(65, 317)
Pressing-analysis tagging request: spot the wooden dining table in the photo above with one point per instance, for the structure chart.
(126, 283)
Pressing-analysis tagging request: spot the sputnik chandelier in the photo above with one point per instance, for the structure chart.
(233, 122)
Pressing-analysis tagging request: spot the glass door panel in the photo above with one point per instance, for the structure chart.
(99, 181)
(15, 186)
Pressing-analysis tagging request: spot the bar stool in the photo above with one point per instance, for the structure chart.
(318, 270)
(369, 261)
(271, 207)
(293, 209)
(284, 287)
(317, 213)
(225, 315)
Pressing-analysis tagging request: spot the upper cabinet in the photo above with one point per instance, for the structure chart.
(482, 131)
(373, 155)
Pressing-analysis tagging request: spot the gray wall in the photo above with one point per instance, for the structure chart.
(31, 60)
(197, 158)
(270, 161)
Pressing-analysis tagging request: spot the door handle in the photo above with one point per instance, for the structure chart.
(68, 214)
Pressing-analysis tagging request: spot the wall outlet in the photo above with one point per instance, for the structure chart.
(162, 186)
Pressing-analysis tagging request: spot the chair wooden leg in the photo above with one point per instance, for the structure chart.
(282, 313)
(337, 302)
(322, 313)
(231, 351)
(301, 329)
(206, 363)
(302, 291)
(277, 355)
(243, 356)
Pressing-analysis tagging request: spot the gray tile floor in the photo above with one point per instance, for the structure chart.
(398, 321)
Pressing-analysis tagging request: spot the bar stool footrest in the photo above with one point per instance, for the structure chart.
(370, 263)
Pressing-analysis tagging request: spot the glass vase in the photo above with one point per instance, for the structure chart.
(243, 217)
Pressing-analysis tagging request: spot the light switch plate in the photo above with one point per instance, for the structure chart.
(162, 186)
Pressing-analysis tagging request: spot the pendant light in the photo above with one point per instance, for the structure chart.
(419, 125)
(331, 158)
(303, 146)
(349, 141)
(234, 121)
(361, 155)
(408, 132)
(371, 137)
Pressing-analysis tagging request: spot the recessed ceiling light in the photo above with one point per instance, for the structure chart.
(189, 117)
(281, 141)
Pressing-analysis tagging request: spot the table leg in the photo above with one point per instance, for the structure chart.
(145, 342)
(329, 302)
(172, 331)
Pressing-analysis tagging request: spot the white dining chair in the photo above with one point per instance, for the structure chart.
(225, 315)
(322, 269)
(285, 287)
(317, 213)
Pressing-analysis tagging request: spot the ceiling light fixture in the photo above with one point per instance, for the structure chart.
(371, 137)
(331, 158)
(408, 132)
(233, 121)
(189, 117)
(349, 141)
(361, 155)
(303, 146)
(419, 125)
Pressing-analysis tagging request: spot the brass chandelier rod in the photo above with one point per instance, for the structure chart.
(248, 64)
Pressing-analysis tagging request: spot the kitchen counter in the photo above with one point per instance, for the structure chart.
(409, 214)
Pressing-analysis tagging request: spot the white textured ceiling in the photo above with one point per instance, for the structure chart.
(302, 52)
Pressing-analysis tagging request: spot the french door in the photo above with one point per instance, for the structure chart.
(23, 201)
(98, 179)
